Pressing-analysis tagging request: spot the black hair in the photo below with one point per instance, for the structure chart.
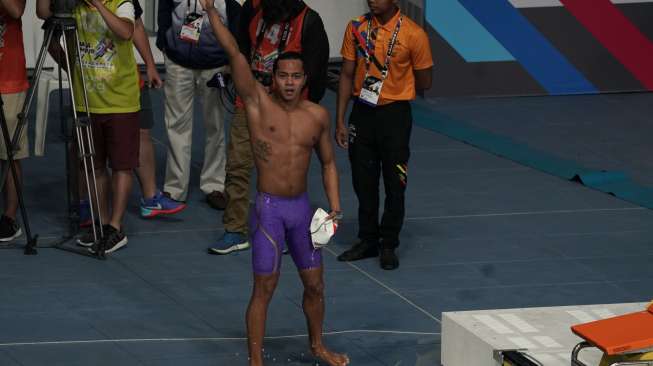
(287, 56)
(275, 11)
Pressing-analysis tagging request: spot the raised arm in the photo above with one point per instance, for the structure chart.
(15, 8)
(246, 86)
(121, 27)
(325, 153)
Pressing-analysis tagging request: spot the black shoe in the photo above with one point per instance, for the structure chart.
(217, 200)
(112, 240)
(388, 259)
(87, 239)
(360, 250)
(9, 229)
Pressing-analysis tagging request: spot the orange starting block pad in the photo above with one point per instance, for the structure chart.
(621, 334)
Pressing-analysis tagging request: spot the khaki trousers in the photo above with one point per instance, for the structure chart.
(180, 88)
(240, 162)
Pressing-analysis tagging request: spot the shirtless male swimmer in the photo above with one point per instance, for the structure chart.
(284, 130)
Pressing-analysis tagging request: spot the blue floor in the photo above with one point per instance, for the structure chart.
(481, 232)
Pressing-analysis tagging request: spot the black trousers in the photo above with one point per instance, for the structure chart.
(379, 140)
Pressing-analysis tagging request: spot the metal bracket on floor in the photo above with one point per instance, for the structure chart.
(515, 358)
(582, 345)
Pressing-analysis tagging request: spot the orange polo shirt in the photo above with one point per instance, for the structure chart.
(412, 52)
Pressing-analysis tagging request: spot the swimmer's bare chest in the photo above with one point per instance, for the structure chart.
(282, 144)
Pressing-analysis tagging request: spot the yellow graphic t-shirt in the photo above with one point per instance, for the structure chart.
(110, 73)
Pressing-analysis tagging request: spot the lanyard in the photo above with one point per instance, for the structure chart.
(282, 42)
(195, 8)
(391, 47)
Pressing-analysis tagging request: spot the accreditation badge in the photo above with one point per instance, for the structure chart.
(190, 30)
(371, 90)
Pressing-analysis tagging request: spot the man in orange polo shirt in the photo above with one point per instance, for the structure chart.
(13, 87)
(387, 57)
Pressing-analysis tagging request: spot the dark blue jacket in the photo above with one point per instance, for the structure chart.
(207, 54)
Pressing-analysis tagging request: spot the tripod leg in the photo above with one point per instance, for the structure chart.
(30, 247)
(72, 168)
(49, 33)
(83, 134)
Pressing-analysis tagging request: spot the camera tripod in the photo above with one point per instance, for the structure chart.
(79, 140)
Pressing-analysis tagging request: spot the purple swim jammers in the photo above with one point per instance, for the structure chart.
(277, 220)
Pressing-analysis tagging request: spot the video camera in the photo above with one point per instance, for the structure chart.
(64, 8)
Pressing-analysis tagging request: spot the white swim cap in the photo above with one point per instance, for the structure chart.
(322, 228)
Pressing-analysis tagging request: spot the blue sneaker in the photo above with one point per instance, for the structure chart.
(230, 242)
(160, 205)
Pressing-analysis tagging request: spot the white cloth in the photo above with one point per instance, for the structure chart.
(48, 83)
(322, 228)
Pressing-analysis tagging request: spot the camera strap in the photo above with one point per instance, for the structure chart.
(192, 27)
(195, 7)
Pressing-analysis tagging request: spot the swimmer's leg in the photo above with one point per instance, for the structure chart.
(257, 310)
(267, 233)
(265, 260)
(309, 263)
(313, 304)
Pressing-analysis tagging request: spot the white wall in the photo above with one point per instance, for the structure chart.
(32, 33)
(335, 13)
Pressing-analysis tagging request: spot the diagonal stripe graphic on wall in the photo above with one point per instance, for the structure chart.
(464, 33)
(624, 41)
(529, 47)
(558, 3)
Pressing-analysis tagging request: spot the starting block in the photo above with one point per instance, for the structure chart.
(519, 337)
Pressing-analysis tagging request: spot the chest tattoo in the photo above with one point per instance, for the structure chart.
(261, 150)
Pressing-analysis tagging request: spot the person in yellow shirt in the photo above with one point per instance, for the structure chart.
(105, 28)
(386, 58)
